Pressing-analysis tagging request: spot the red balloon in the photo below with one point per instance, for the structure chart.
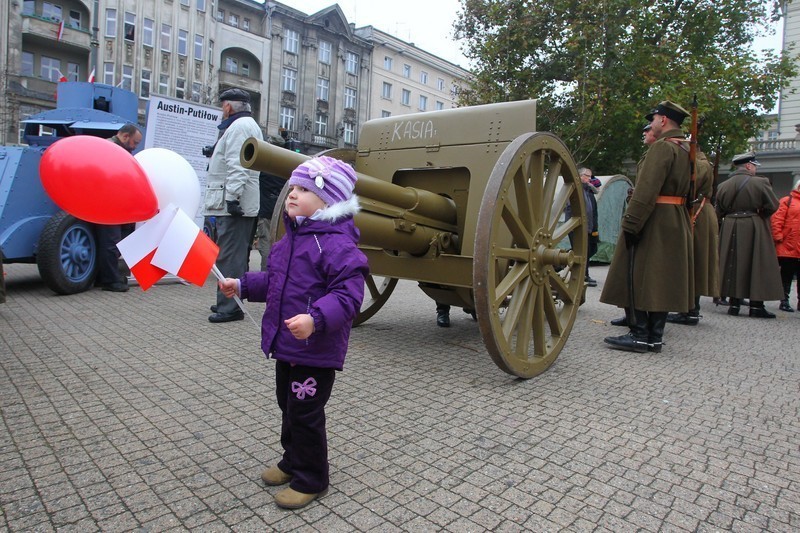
(96, 180)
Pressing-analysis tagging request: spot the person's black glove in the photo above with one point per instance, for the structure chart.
(630, 239)
(234, 209)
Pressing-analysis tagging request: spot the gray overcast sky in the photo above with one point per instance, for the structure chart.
(426, 23)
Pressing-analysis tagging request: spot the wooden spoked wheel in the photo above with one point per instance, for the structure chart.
(527, 289)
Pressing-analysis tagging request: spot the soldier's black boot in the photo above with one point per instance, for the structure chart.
(757, 310)
(622, 321)
(733, 307)
(655, 330)
(785, 306)
(685, 319)
(636, 339)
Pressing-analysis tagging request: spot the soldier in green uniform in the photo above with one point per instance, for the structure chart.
(748, 262)
(652, 269)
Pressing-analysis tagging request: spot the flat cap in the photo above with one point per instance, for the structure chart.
(747, 157)
(234, 95)
(671, 110)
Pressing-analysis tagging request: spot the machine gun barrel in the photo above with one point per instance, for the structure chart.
(262, 156)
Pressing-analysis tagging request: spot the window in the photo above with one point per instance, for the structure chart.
(291, 41)
(349, 98)
(405, 99)
(180, 89)
(406, 71)
(772, 135)
(387, 63)
(73, 71)
(440, 84)
(198, 47)
(245, 70)
(163, 84)
(183, 37)
(233, 20)
(386, 114)
(201, 5)
(51, 11)
(423, 77)
(323, 87)
(166, 38)
(386, 92)
(108, 73)
(423, 103)
(210, 52)
(196, 91)
(144, 91)
(221, 15)
(27, 64)
(246, 24)
(325, 49)
(321, 124)
(127, 77)
(349, 133)
(439, 106)
(129, 28)
(74, 18)
(147, 32)
(29, 7)
(289, 80)
(351, 63)
(287, 118)
(111, 22)
(231, 65)
(185, 3)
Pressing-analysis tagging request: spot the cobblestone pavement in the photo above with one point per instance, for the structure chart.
(132, 412)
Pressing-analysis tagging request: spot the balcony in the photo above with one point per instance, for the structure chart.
(236, 80)
(775, 145)
(45, 31)
(324, 141)
(35, 87)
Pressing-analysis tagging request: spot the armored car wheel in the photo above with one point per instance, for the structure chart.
(527, 289)
(67, 254)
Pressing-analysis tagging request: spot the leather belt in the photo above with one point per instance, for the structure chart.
(671, 200)
(742, 214)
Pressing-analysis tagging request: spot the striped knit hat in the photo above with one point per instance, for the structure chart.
(330, 179)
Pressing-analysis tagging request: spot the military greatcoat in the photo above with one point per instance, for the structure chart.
(747, 259)
(663, 259)
(706, 232)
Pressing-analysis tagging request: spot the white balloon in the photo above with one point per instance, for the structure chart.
(172, 177)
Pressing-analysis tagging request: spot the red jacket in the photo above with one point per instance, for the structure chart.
(786, 226)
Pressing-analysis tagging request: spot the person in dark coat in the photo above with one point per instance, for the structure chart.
(590, 186)
(786, 234)
(270, 188)
(747, 259)
(313, 291)
(651, 272)
(705, 237)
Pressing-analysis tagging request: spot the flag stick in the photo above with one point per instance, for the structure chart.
(220, 277)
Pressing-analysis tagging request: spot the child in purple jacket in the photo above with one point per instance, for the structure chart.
(313, 289)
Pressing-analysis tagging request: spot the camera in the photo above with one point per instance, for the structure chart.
(208, 150)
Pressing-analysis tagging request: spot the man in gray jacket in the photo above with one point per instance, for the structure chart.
(232, 196)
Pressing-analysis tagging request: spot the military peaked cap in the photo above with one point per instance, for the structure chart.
(234, 95)
(647, 128)
(748, 157)
(671, 110)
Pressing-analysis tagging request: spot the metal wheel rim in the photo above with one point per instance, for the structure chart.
(77, 259)
(527, 291)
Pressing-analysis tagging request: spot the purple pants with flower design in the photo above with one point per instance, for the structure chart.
(302, 393)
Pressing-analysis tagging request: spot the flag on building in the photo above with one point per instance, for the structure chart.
(60, 32)
(61, 77)
(185, 250)
(91, 77)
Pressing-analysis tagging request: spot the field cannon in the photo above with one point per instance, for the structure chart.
(469, 203)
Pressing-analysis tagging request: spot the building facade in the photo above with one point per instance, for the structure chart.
(313, 79)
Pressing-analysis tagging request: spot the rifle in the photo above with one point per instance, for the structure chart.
(692, 161)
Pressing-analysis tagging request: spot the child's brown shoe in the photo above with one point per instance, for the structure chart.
(291, 499)
(274, 476)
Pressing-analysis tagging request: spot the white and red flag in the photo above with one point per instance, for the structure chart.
(91, 77)
(185, 250)
(139, 247)
(61, 77)
(60, 32)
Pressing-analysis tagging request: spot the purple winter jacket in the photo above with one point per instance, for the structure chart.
(316, 268)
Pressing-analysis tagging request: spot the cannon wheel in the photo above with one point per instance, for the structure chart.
(527, 290)
(377, 289)
(67, 254)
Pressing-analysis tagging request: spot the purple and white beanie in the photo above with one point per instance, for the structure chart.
(330, 179)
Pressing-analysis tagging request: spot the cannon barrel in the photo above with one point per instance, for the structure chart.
(262, 156)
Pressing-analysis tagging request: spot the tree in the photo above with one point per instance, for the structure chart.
(598, 67)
